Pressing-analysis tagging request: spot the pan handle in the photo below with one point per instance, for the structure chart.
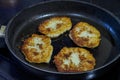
(2, 36)
(2, 30)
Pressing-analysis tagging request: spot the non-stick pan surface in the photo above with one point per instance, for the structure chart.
(27, 21)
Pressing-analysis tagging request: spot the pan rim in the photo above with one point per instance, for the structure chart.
(46, 2)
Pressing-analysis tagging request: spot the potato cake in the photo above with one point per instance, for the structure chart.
(55, 26)
(74, 59)
(37, 49)
(85, 35)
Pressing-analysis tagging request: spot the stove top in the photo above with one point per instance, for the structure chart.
(10, 71)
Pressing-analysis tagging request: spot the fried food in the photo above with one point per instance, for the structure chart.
(37, 49)
(74, 59)
(55, 26)
(85, 35)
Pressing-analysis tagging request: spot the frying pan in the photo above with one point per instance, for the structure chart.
(26, 22)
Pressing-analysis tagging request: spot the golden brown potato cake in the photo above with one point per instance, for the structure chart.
(74, 59)
(55, 26)
(85, 35)
(37, 49)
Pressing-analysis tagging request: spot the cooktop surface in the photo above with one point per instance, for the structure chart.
(9, 70)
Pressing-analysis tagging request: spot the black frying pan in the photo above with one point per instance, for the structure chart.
(26, 23)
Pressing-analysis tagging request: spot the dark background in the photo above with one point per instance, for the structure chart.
(10, 71)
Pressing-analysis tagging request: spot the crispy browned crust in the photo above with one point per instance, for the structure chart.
(87, 61)
(36, 51)
(62, 24)
(88, 41)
